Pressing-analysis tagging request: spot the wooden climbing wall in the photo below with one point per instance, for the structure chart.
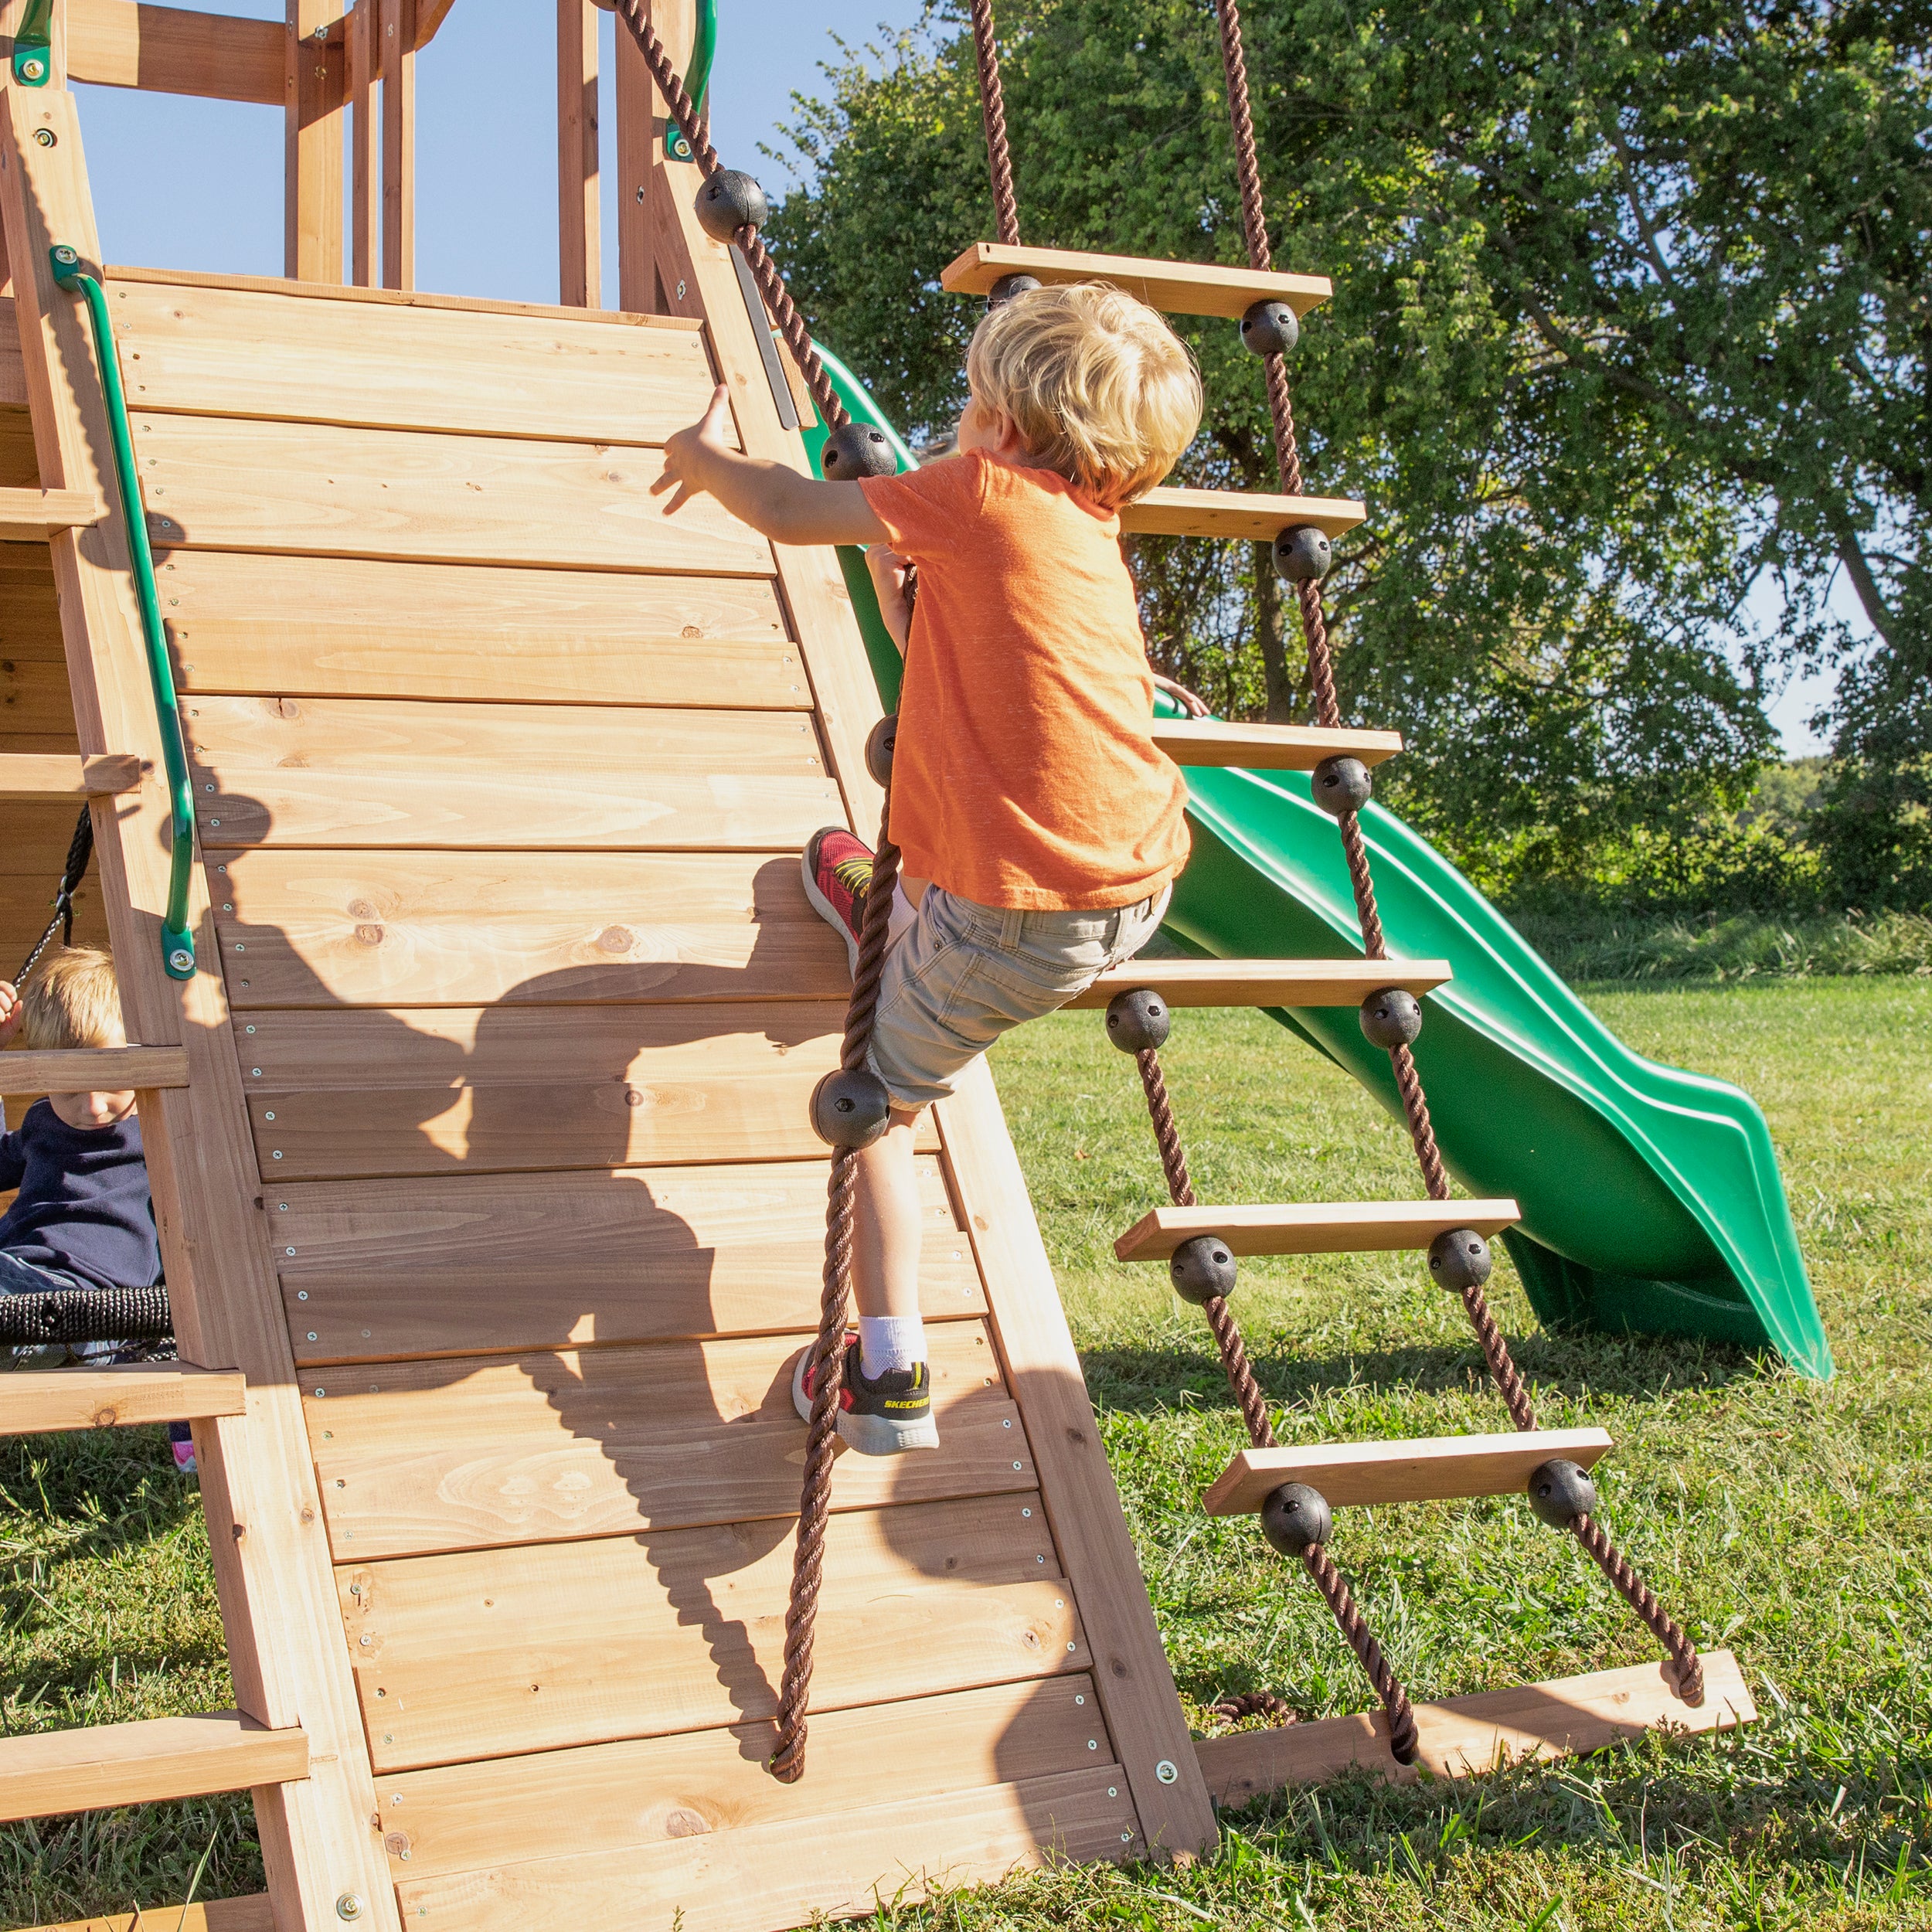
(501, 779)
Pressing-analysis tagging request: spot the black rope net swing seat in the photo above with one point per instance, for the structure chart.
(849, 1107)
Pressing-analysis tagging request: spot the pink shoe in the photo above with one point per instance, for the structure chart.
(838, 874)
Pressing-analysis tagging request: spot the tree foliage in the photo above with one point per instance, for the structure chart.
(1630, 310)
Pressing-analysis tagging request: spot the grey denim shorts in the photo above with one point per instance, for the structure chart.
(962, 974)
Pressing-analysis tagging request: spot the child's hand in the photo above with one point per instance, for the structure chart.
(688, 455)
(1193, 706)
(10, 1013)
(890, 571)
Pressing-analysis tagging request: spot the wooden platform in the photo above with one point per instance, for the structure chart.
(1262, 747)
(1315, 1227)
(1180, 288)
(1264, 982)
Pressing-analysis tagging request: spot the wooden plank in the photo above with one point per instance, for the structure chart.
(320, 489)
(25, 775)
(789, 1873)
(1256, 747)
(598, 1799)
(343, 626)
(19, 466)
(669, 1631)
(1135, 1684)
(430, 16)
(363, 25)
(1313, 1227)
(1462, 1736)
(580, 253)
(312, 141)
(406, 929)
(218, 1915)
(484, 1265)
(1425, 1469)
(43, 1773)
(398, 65)
(172, 50)
(1264, 982)
(1178, 288)
(1232, 514)
(267, 1540)
(437, 1090)
(366, 772)
(13, 375)
(34, 702)
(93, 1070)
(416, 1457)
(31, 1405)
(32, 515)
(243, 352)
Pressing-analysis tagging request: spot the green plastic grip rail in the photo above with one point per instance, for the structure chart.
(177, 942)
(697, 81)
(33, 45)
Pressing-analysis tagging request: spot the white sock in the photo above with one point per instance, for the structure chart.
(888, 1342)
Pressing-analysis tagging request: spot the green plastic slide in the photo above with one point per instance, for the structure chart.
(1650, 1197)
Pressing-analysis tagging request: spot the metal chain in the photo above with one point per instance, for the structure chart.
(80, 850)
(1328, 713)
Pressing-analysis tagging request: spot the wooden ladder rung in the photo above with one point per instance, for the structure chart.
(1265, 982)
(1259, 747)
(55, 774)
(1236, 513)
(1321, 1227)
(1462, 1736)
(99, 1765)
(31, 516)
(93, 1070)
(1178, 288)
(254, 1914)
(1428, 1469)
(37, 1404)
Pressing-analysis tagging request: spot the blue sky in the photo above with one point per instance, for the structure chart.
(198, 184)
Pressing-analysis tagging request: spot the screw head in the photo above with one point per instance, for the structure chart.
(66, 257)
(349, 1905)
(34, 69)
(45, 137)
(181, 960)
(1166, 1772)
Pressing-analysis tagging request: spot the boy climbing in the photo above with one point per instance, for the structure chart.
(1040, 827)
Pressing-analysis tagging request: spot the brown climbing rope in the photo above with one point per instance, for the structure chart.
(992, 110)
(1690, 1676)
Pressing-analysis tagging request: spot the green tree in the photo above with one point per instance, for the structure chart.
(1630, 309)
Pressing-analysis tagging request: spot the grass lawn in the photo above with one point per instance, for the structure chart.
(1779, 1518)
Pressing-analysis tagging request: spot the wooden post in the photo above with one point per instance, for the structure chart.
(266, 1539)
(579, 244)
(399, 144)
(365, 168)
(312, 197)
(641, 288)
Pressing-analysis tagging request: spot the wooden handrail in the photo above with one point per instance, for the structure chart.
(31, 516)
(36, 1405)
(55, 774)
(46, 1773)
(93, 1070)
(172, 50)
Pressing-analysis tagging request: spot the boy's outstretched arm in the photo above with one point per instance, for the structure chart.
(777, 502)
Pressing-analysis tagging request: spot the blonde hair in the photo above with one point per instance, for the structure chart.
(1100, 390)
(73, 1001)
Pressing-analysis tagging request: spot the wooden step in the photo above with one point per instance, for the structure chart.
(1428, 1469)
(99, 1765)
(93, 1069)
(1177, 288)
(33, 1405)
(1263, 747)
(1264, 982)
(31, 516)
(1236, 513)
(254, 1914)
(33, 774)
(1319, 1227)
(1464, 1737)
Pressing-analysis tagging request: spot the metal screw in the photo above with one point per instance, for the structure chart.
(640, 196)
(313, 1336)
(301, 1294)
(46, 137)
(1166, 1772)
(349, 1905)
(33, 70)
(322, 1392)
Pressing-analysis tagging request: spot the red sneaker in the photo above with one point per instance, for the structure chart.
(838, 872)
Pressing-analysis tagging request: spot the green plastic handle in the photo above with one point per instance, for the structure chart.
(697, 81)
(33, 45)
(177, 942)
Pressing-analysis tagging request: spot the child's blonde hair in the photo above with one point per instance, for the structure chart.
(1101, 390)
(73, 1001)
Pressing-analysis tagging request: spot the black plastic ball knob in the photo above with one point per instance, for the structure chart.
(1270, 328)
(731, 200)
(1341, 785)
(854, 449)
(1460, 1259)
(1303, 555)
(1297, 1518)
(1202, 1269)
(1391, 1018)
(850, 1107)
(1003, 291)
(1138, 1020)
(1560, 1491)
(879, 748)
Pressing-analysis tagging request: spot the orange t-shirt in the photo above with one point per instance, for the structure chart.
(1025, 773)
